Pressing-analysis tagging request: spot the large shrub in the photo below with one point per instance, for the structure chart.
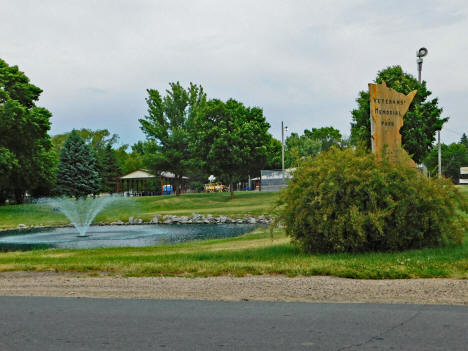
(347, 201)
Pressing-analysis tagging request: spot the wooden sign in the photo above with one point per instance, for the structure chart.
(387, 110)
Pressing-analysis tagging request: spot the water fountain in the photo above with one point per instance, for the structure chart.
(80, 212)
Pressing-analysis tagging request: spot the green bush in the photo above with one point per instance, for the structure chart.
(347, 201)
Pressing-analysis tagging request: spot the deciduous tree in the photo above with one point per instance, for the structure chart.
(298, 147)
(167, 124)
(454, 156)
(27, 163)
(231, 140)
(421, 122)
(327, 136)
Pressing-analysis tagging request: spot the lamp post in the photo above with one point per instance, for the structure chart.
(283, 129)
(420, 54)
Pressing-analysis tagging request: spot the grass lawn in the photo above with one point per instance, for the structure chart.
(463, 189)
(251, 254)
(244, 203)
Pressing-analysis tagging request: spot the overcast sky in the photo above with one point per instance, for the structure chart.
(303, 62)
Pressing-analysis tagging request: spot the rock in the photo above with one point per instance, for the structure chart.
(155, 220)
(22, 226)
(119, 222)
(131, 220)
(139, 221)
(196, 217)
(252, 220)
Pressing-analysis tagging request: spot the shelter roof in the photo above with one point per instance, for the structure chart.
(138, 174)
(145, 174)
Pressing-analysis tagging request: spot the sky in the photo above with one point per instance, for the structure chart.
(302, 62)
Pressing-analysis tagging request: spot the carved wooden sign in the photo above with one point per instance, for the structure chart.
(387, 110)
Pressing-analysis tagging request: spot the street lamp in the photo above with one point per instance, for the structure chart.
(420, 54)
(283, 130)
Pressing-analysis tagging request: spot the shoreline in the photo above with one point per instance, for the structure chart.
(160, 219)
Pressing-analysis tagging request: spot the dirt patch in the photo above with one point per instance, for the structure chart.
(258, 288)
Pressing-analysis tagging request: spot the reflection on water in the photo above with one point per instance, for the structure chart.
(119, 236)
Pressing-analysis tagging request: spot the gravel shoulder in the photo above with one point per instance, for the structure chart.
(255, 288)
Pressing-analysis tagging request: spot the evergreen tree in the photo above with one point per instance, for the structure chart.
(110, 170)
(464, 140)
(77, 172)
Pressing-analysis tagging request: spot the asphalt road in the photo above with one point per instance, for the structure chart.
(47, 323)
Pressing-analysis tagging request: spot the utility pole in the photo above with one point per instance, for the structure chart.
(420, 54)
(283, 129)
(282, 146)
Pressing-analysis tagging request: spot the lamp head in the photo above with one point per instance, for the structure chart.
(421, 52)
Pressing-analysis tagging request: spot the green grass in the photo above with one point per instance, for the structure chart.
(463, 189)
(251, 254)
(244, 203)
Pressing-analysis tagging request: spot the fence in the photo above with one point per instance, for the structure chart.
(274, 180)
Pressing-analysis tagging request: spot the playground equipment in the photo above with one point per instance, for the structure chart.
(215, 188)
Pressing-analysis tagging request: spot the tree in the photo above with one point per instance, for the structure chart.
(77, 172)
(231, 140)
(421, 122)
(99, 140)
(110, 170)
(273, 153)
(26, 160)
(464, 140)
(298, 147)
(168, 126)
(327, 136)
(454, 156)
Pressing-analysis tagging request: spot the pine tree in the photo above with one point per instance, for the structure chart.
(77, 172)
(464, 140)
(110, 170)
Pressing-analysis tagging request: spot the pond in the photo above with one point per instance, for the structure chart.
(118, 236)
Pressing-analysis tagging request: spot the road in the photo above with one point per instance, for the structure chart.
(49, 323)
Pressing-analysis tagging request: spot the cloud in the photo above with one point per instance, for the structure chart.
(303, 62)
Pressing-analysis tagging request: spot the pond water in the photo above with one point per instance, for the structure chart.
(118, 236)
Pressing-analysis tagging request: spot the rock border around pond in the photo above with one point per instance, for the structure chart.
(195, 218)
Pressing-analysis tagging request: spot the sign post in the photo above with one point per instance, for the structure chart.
(387, 108)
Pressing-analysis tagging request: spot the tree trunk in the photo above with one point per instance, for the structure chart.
(231, 187)
(176, 185)
(3, 197)
(19, 196)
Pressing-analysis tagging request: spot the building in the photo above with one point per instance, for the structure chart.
(142, 182)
